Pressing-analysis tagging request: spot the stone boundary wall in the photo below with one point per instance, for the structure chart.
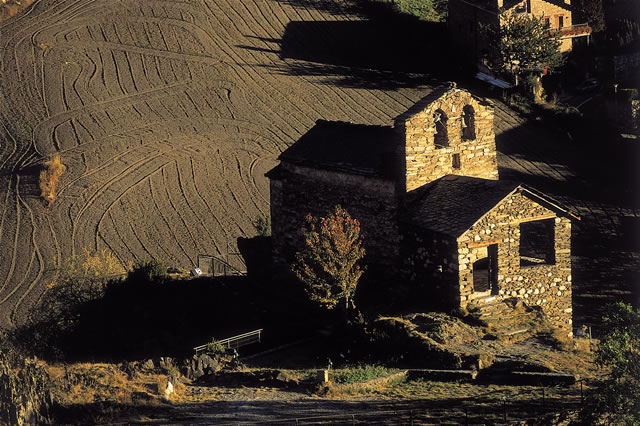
(371, 200)
(544, 285)
(425, 162)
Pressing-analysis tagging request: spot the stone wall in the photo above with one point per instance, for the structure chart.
(431, 263)
(544, 285)
(426, 161)
(301, 190)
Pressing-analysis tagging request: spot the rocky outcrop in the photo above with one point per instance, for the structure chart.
(25, 396)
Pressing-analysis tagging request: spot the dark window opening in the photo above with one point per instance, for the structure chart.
(456, 161)
(547, 22)
(441, 138)
(537, 243)
(468, 123)
(560, 21)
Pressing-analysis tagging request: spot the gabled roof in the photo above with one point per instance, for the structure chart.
(436, 94)
(453, 204)
(347, 147)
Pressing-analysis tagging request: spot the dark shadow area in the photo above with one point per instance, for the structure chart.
(139, 319)
(399, 44)
(387, 50)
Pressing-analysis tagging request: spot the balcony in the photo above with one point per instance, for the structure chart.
(572, 31)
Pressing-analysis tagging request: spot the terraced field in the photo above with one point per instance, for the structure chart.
(167, 114)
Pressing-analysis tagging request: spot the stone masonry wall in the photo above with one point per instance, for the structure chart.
(431, 261)
(552, 11)
(305, 190)
(544, 285)
(425, 162)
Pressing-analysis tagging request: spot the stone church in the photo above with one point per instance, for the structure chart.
(427, 194)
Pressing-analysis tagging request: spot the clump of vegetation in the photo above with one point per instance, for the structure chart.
(616, 400)
(80, 279)
(430, 10)
(263, 226)
(53, 169)
(359, 373)
(10, 8)
(148, 270)
(328, 264)
(215, 348)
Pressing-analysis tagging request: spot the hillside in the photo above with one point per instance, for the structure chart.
(167, 114)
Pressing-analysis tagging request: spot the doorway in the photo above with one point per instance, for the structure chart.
(485, 270)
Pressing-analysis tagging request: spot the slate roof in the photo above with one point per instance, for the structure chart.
(452, 204)
(347, 147)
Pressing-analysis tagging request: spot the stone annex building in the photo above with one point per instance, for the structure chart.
(431, 207)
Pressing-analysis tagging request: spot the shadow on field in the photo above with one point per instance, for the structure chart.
(139, 320)
(390, 50)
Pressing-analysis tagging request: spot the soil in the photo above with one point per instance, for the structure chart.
(168, 114)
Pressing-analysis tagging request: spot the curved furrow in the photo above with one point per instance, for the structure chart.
(155, 196)
(33, 285)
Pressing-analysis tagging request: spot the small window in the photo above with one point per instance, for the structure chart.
(441, 138)
(560, 21)
(547, 22)
(537, 243)
(468, 123)
(455, 162)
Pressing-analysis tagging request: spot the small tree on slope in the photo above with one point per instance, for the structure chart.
(328, 264)
(616, 400)
(523, 43)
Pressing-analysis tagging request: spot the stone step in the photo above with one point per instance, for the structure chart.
(483, 299)
(492, 307)
(512, 333)
(490, 318)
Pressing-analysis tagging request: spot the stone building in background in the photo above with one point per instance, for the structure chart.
(431, 207)
(466, 18)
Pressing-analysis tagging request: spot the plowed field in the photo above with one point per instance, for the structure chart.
(167, 114)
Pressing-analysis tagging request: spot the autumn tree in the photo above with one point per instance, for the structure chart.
(328, 263)
(523, 43)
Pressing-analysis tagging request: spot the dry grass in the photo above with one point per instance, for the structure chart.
(49, 176)
(12, 8)
(79, 384)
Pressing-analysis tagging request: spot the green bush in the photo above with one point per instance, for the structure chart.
(263, 226)
(360, 373)
(419, 8)
(616, 400)
(148, 270)
(215, 348)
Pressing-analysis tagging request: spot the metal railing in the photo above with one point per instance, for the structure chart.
(234, 342)
(572, 30)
